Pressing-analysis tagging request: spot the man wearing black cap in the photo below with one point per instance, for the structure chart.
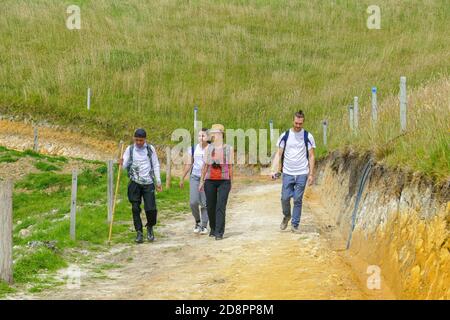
(141, 162)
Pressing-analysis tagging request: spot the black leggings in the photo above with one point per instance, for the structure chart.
(216, 202)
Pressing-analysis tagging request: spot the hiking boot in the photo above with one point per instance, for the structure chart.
(285, 222)
(212, 234)
(295, 229)
(150, 235)
(139, 237)
(204, 230)
(197, 228)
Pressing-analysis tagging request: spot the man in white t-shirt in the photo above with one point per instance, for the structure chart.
(197, 198)
(296, 152)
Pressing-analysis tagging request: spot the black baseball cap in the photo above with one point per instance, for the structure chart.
(140, 133)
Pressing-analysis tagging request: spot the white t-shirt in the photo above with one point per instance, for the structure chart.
(295, 161)
(198, 159)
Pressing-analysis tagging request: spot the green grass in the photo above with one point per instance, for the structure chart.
(37, 155)
(9, 153)
(44, 209)
(44, 180)
(7, 159)
(43, 162)
(9, 156)
(5, 289)
(242, 61)
(43, 260)
(43, 166)
(108, 266)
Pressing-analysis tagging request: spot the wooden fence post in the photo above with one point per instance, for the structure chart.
(88, 103)
(324, 125)
(6, 227)
(36, 140)
(73, 204)
(374, 106)
(403, 103)
(350, 118)
(110, 188)
(356, 112)
(168, 167)
(271, 132)
(195, 120)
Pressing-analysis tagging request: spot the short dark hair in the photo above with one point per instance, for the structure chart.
(140, 133)
(204, 129)
(299, 114)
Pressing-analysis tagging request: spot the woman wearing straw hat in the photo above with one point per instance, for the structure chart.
(216, 178)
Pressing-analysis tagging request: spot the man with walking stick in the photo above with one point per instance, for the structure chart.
(141, 162)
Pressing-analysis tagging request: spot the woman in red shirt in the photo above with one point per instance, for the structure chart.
(217, 175)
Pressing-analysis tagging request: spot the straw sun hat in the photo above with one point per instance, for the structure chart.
(217, 128)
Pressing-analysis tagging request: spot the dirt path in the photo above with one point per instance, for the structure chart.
(255, 260)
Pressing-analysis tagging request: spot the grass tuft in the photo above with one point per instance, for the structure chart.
(43, 166)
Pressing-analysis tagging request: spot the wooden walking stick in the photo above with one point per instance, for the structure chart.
(115, 194)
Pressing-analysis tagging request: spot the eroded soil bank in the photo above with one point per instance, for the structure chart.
(19, 135)
(402, 222)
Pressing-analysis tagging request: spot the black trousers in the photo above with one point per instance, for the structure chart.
(216, 198)
(137, 192)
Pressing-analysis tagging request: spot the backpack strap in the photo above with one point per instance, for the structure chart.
(192, 156)
(130, 162)
(149, 154)
(131, 153)
(285, 138)
(306, 139)
(225, 158)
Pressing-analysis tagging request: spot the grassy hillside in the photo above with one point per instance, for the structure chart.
(41, 201)
(243, 63)
(423, 147)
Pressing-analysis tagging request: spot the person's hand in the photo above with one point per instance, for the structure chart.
(201, 186)
(120, 161)
(310, 180)
(275, 175)
(159, 188)
(181, 183)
